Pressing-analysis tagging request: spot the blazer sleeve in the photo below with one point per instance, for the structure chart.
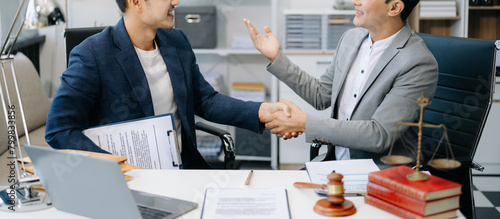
(413, 72)
(74, 102)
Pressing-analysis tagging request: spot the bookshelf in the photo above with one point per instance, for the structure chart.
(484, 21)
(471, 21)
(446, 26)
(241, 65)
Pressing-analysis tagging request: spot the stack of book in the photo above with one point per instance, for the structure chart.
(390, 190)
(437, 9)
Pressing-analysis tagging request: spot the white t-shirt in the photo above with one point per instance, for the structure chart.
(160, 87)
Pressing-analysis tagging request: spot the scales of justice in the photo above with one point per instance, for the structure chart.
(440, 164)
(336, 206)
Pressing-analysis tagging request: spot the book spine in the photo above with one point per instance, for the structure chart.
(386, 206)
(396, 198)
(407, 190)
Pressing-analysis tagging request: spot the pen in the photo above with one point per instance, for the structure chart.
(247, 183)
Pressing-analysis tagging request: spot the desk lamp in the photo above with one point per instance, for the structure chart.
(20, 196)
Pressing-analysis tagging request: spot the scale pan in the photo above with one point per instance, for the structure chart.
(444, 164)
(396, 160)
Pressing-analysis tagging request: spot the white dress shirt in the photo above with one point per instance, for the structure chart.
(368, 55)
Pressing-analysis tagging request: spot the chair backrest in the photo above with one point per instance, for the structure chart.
(75, 36)
(464, 93)
(462, 102)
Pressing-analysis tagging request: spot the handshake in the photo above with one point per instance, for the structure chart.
(284, 118)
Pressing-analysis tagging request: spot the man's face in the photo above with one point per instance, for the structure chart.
(159, 13)
(371, 14)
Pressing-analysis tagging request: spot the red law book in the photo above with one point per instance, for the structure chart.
(401, 212)
(418, 206)
(432, 189)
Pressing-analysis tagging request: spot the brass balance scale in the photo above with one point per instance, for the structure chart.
(440, 164)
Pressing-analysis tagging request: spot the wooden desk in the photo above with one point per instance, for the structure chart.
(191, 184)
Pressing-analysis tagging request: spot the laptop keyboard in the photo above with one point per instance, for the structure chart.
(152, 213)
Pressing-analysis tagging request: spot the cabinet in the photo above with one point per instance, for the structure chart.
(242, 63)
(447, 26)
(484, 21)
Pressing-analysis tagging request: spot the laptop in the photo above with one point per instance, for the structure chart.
(93, 187)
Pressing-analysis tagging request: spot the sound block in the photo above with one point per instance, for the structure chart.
(324, 207)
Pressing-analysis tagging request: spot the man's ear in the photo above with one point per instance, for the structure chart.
(134, 4)
(396, 7)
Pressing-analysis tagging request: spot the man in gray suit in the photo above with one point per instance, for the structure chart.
(378, 71)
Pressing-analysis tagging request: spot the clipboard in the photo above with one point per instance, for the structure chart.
(148, 142)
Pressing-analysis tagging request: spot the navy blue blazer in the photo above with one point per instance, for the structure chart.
(105, 83)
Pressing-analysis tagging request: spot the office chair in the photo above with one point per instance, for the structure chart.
(463, 99)
(74, 36)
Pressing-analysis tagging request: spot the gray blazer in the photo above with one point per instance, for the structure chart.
(405, 71)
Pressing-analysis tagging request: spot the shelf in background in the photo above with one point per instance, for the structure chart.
(225, 52)
(439, 18)
(494, 7)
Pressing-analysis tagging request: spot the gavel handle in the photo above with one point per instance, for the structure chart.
(304, 185)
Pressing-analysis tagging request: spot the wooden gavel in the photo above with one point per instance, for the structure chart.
(335, 205)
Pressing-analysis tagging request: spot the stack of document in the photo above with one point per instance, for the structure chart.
(303, 32)
(249, 91)
(355, 174)
(242, 42)
(440, 8)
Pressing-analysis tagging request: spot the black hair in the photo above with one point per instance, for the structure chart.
(122, 4)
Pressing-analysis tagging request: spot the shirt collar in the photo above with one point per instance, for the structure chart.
(384, 43)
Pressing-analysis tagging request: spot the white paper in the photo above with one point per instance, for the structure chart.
(355, 173)
(148, 143)
(245, 203)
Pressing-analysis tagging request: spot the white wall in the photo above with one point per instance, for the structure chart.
(82, 13)
(87, 13)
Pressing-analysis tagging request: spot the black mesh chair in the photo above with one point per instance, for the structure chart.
(462, 102)
(74, 36)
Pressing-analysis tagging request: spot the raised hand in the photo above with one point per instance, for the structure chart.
(269, 46)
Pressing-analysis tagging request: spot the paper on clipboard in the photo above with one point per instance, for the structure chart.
(148, 142)
(355, 174)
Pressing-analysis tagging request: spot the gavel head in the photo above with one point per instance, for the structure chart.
(335, 185)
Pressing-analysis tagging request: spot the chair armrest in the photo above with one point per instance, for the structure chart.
(227, 142)
(476, 166)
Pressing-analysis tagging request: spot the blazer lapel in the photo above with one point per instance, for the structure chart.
(391, 51)
(131, 66)
(178, 80)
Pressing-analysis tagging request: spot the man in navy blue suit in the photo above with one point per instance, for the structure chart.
(142, 67)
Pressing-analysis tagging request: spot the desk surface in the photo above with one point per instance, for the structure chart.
(191, 184)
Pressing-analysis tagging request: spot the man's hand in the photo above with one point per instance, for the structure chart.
(287, 126)
(267, 110)
(269, 46)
